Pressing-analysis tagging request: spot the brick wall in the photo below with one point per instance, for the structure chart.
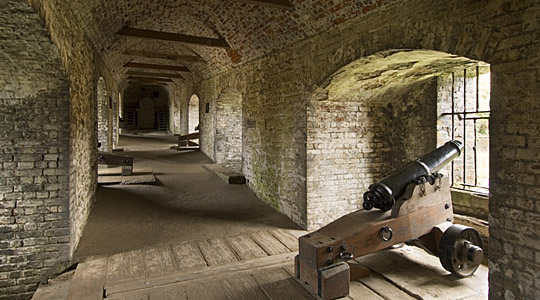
(228, 127)
(83, 66)
(347, 150)
(502, 33)
(34, 145)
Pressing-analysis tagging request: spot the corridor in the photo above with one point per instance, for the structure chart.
(187, 202)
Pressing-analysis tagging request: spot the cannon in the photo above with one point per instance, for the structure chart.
(382, 194)
(414, 207)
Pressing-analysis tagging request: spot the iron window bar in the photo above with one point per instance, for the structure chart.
(463, 117)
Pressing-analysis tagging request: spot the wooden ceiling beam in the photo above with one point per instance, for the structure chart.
(149, 79)
(156, 67)
(150, 74)
(167, 56)
(172, 37)
(283, 4)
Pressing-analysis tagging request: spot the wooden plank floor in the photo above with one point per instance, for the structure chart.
(260, 266)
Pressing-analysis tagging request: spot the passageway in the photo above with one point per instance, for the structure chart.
(187, 202)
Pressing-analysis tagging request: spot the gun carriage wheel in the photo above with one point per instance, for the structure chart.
(460, 250)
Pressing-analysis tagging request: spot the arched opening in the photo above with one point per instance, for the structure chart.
(103, 120)
(228, 134)
(145, 108)
(193, 114)
(376, 114)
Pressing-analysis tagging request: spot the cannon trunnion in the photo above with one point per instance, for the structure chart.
(422, 215)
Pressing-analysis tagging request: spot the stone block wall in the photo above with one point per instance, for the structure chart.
(104, 112)
(34, 154)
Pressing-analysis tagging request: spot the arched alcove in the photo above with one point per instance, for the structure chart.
(103, 120)
(193, 113)
(145, 107)
(228, 134)
(370, 117)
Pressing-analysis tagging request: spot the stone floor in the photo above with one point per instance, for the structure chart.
(187, 202)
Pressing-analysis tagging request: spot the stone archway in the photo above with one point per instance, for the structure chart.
(228, 132)
(370, 117)
(193, 113)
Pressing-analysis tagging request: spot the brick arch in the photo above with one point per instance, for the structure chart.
(358, 118)
(228, 129)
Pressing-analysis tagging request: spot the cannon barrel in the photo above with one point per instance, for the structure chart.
(383, 194)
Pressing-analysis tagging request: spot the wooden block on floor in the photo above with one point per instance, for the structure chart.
(89, 280)
(131, 179)
(227, 175)
(55, 289)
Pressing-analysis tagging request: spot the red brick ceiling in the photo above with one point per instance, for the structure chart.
(251, 30)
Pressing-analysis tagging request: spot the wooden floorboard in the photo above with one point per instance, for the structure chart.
(88, 280)
(260, 266)
(188, 256)
(385, 288)
(158, 260)
(216, 252)
(279, 284)
(208, 291)
(286, 239)
(211, 273)
(423, 278)
(245, 247)
(358, 291)
(269, 243)
(243, 287)
(169, 294)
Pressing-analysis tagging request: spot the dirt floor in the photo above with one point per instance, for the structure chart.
(187, 203)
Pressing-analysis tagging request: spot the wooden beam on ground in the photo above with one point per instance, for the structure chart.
(167, 56)
(150, 74)
(156, 67)
(173, 37)
(283, 4)
(150, 79)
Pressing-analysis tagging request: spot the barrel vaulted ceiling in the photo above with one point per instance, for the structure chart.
(251, 30)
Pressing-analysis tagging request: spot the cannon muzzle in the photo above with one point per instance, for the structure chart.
(383, 194)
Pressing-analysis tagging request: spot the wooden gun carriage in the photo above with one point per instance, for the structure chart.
(415, 207)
